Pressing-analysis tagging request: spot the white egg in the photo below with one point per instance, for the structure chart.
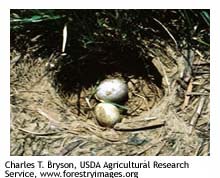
(112, 90)
(107, 114)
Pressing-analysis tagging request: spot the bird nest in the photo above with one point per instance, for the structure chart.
(167, 111)
(76, 83)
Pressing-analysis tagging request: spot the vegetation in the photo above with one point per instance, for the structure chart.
(90, 29)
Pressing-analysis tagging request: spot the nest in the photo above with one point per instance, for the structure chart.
(168, 107)
(76, 82)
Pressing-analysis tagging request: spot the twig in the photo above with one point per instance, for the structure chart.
(144, 150)
(30, 91)
(69, 147)
(197, 114)
(101, 134)
(64, 39)
(87, 101)
(49, 117)
(15, 59)
(201, 72)
(172, 37)
(140, 125)
(165, 75)
(157, 152)
(187, 97)
(37, 133)
(197, 94)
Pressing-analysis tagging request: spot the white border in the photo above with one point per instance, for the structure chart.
(202, 167)
(122, 4)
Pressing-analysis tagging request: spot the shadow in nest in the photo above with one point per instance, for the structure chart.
(75, 73)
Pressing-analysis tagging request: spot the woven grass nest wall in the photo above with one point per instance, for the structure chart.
(166, 71)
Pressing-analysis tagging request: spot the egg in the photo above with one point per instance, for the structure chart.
(107, 114)
(112, 90)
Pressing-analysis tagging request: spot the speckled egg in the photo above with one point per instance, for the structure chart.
(112, 90)
(107, 114)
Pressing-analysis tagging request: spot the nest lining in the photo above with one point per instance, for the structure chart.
(76, 83)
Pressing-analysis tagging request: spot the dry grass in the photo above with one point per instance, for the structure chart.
(171, 119)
